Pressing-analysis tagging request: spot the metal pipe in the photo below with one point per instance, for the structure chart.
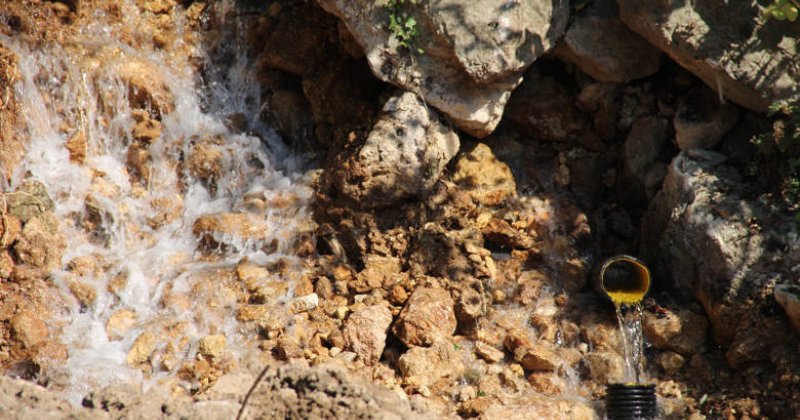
(621, 284)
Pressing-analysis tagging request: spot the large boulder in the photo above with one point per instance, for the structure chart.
(473, 56)
(725, 43)
(402, 157)
(604, 48)
(724, 250)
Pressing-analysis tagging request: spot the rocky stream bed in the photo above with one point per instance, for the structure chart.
(204, 202)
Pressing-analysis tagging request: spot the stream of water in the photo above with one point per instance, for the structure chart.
(629, 317)
(132, 232)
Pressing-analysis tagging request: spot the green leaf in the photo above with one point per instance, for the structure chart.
(411, 23)
(791, 13)
(778, 14)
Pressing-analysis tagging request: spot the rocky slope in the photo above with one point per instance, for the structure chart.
(463, 195)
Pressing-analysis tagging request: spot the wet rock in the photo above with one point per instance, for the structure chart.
(119, 323)
(76, 146)
(622, 55)
(40, 244)
(428, 316)
(29, 201)
(544, 110)
(403, 155)
(28, 328)
(788, 297)
(683, 331)
(146, 129)
(158, 6)
(146, 86)
(83, 292)
(702, 121)
(486, 179)
(139, 162)
(547, 383)
(600, 332)
(743, 57)
(670, 361)
(488, 352)
(365, 332)
(165, 210)
(531, 355)
(606, 367)
(213, 346)
(470, 67)
(205, 161)
(142, 349)
(228, 228)
(422, 366)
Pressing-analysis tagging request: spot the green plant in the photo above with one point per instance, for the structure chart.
(783, 10)
(402, 25)
(778, 157)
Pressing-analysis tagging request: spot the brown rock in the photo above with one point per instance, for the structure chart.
(85, 293)
(138, 160)
(601, 333)
(531, 355)
(606, 367)
(365, 332)
(76, 146)
(205, 161)
(324, 288)
(6, 264)
(40, 244)
(489, 353)
(683, 331)
(543, 109)
(486, 179)
(427, 317)
(670, 361)
(218, 228)
(142, 349)
(213, 346)
(788, 297)
(398, 295)
(119, 323)
(422, 366)
(547, 383)
(50, 353)
(146, 87)
(146, 129)
(10, 229)
(158, 6)
(28, 328)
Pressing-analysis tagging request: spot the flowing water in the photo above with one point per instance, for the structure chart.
(630, 324)
(128, 211)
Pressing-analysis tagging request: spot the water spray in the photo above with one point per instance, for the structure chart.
(625, 281)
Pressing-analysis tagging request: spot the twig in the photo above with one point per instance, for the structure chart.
(250, 392)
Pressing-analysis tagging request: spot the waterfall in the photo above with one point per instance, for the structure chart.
(164, 195)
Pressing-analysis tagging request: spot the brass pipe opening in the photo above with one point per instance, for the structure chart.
(624, 279)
